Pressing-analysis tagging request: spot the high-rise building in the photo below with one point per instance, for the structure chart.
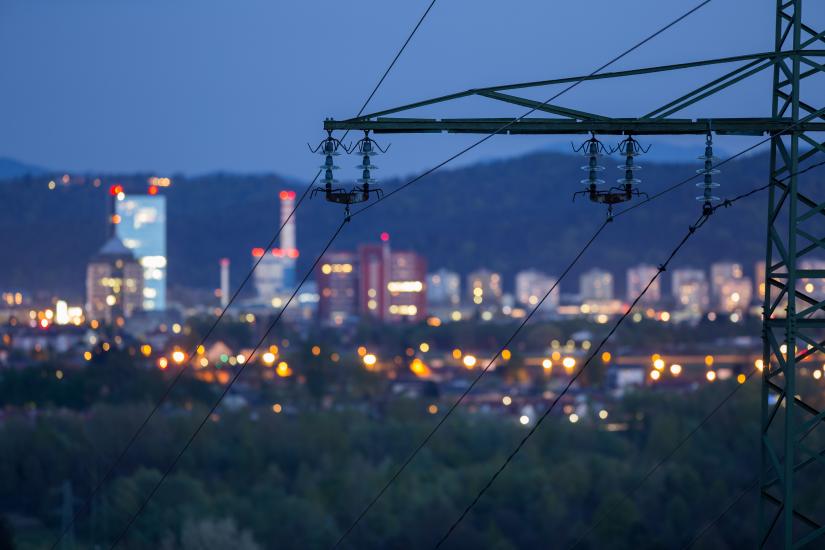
(114, 283)
(406, 287)
(812, 287)
(732, 291)
(759, 278)
(720, 273)
(596, 285)
(484, 288)
(638, 278)
(690, 290)
(374, 274)
(532, 285)
(735, 295)
(275, 274)
(337, 285)
(391, 284)
(140, 224)
(443, 288)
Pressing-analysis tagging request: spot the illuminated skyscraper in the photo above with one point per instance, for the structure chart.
(114, 283)
(141, 226)
(532, 285)
(596, 285)
(374, 274)
(759, 276)
(337, 285)
(391, 285)
(484, 288)
(720, 273)
(444, 288)
(735, 295)
(638, 278)
(406, 287)
(732, 292)
(690, 289)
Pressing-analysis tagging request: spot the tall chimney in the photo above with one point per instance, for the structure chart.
(288, 232)
(224, 282)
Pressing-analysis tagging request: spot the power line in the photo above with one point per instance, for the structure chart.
(572, 380)
(87, 503)
(691, 231)
(467, 391)
(727, 160)
(581, 252)
(664, 459)
(727, 509)
(229, 385)
(745, 491)
(392, 64)
(533, 109)
(430, 434)
(707, 417)
(405, 185)
(168, 390)
(249, 275)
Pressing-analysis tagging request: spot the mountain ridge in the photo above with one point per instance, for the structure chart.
(505, 214)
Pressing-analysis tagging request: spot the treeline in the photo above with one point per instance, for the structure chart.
(257, 479)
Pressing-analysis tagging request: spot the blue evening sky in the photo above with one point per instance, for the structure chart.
(242, 85)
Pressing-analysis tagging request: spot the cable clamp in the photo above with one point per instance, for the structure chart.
(662, 267)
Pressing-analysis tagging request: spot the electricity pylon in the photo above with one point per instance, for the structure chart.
(794, 320)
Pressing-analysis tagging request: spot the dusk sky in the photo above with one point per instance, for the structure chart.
(204, 85)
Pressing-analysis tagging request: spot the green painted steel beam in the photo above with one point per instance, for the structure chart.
(718, 81)
(615, 126)
(811, 53)
(545, 107)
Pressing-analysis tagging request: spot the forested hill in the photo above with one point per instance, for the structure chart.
(506, 215)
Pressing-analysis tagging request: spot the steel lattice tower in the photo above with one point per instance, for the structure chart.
(791, 515)
(793, 318)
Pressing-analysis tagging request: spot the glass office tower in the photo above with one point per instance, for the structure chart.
(142, 228)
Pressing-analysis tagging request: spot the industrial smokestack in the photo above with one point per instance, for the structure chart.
(288, 233)
(224, 282)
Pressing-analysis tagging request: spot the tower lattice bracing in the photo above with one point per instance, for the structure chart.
(793, 435)
(792, 512)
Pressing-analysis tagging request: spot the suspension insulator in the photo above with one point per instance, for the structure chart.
(592, 149)
(631, 149)
(707, 184)
(367, 148)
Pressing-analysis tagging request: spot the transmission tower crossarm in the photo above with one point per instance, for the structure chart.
(714, 86)
(753, 59)
(552, 126)
(539, 106)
